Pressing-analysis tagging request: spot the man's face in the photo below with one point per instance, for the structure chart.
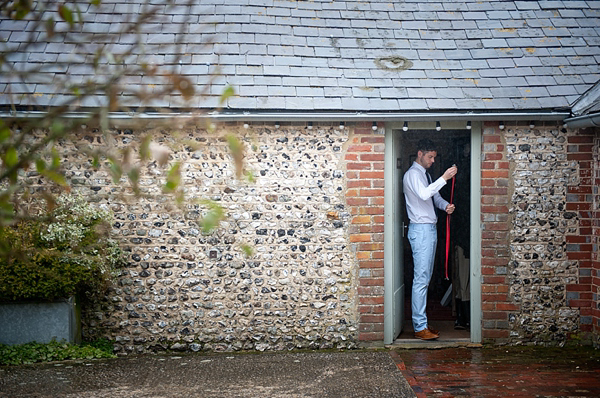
(426, 159)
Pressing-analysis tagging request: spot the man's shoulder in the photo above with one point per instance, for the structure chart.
(411, 171)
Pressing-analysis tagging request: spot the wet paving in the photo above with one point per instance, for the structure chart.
(497, 372)
(435, 371)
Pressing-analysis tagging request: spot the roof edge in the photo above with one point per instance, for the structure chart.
(306, 115)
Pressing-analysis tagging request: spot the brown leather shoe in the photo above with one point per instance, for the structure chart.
(426, 334)
(432, 330)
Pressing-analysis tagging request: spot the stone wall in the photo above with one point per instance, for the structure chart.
(314, 217)
(193, 291)
(535, 202)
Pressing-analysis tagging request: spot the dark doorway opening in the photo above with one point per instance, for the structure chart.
(447, 298)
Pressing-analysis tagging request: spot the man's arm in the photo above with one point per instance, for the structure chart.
(424, 192)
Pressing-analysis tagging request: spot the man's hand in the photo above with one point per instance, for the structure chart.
(451, 172)
(450, 208)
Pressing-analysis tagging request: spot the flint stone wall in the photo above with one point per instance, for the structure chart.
(185, 290)
(539, 269)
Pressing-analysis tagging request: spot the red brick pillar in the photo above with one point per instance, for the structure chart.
(595, 258)
(579, 243)
(364, 197)
(495, 234)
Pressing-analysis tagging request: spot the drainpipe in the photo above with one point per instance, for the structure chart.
(584, 121)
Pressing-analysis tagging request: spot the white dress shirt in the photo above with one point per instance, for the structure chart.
(421, 196)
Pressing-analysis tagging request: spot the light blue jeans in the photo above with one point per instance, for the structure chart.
(423, 239)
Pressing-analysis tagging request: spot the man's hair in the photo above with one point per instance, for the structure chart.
(426, 145)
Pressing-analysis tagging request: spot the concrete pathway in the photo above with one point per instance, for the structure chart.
(345, 374)
(394, 372)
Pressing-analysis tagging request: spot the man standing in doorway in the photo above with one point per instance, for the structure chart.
(421, 196)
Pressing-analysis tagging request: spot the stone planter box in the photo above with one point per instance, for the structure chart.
(24, 322)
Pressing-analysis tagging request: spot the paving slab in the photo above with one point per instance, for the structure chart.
(319, 374)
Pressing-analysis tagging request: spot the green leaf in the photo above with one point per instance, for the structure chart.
(40, 165)
(23, 8)
(115, 171)
(250, 176)
(56, 177)
(134, 177)
(237, 150)
(212, 218)
(11, 157)
(5, 133)
(66, 14)
(248, 251)
(145, 148)
(173, 178)
(50, 27)
(57, 127)
(228, 92)
(55, 160)
(6, 206)
(79, 15)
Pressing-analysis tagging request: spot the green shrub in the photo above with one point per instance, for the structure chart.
(29, 353)
(67, 253)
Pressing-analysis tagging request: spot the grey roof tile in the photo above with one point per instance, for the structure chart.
(441, 103)
(527, 5)
(513, 81)
(352, 103)
(497, 103)
(341, 92)
(540, 80)
(281, 91)
(526, 103)
(297, 55)
(365, 91)
(412, 104)
(449, 92)
(553, 102)
(327, 103)
(384, 104)
(394, 92)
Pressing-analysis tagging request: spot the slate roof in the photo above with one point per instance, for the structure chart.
(324, 55)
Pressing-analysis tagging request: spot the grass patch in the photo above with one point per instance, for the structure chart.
(29, 353)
